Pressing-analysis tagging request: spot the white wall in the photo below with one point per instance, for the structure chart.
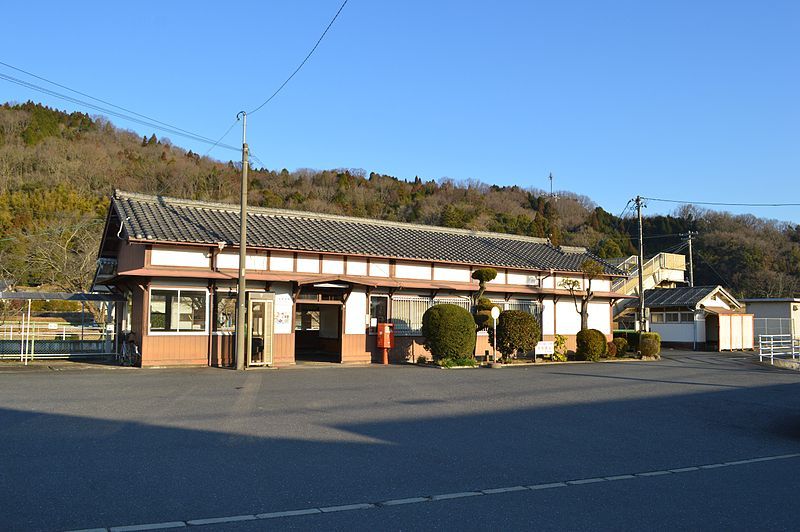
(500, 279)
(334, 265)
(230, 261)
(281, 262)
(458, 274)
(547, 317)
(356, 266)
(600, 316)
(601, 285)
(521, 278)
(412, 270)
(308, 263)
(568, 321)
(356, 312)
(678, 332)
(176, 257)
(379, 268)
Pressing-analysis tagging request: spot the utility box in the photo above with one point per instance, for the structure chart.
(385, 335)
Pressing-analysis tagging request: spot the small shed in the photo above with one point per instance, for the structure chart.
(699, 317)
(775, 315)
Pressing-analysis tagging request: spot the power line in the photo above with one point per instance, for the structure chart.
(98, 99)
(222, 137)
(304, 60)
(723, 204)
(161, 126)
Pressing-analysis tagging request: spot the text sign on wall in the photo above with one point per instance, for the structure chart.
(545, 348)
(283, 314)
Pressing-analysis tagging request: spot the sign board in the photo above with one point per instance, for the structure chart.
(52, 326)
(545, 348)
(495, 313)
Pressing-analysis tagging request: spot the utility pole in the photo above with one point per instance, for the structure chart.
(642, 319)
(552, 194)
(688, 236)
(241, 301)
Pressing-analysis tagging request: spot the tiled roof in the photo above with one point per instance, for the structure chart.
(157, 218)
(682, 296)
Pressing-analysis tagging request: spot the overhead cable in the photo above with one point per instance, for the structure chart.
(304, 60)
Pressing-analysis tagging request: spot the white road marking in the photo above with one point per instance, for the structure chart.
(495, 491)
(216, 520)
(410, 500)
(460, 495)
(440, 497)
(289, 513)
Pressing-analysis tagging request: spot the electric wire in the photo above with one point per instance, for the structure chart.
(31, 74)
(221, 138)
(304, 60)
(158, 126)
(723, 204)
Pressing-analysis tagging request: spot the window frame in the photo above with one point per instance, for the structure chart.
(374, 330)
(177, 331)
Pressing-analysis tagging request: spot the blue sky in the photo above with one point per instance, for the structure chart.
(687, 100)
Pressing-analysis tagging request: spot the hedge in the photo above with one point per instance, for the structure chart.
(449, 331)
(591, 344)
(650, 344)
(516, 331)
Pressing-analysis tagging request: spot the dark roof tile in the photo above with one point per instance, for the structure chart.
(164, 219)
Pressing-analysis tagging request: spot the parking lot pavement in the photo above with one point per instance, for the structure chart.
(609, 445)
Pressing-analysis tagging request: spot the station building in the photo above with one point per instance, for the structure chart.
(318, 284)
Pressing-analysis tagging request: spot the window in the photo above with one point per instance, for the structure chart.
(177, 310)
(378, 311)
(657, 317)
(407, 315)
(226, 312)
(407, 312)
(687, 317)
(672, 317)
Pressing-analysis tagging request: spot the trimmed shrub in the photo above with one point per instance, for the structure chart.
(622, 345)
(560, 346)
(650, 344)
(611, 350)
(483, 314)
(632, 337)
(591, 345)
(449, 331)
(516, 331)
(458, 361)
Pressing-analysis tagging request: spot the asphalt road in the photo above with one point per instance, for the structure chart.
(694, 441)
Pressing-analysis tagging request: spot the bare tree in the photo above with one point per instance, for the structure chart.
(591, 269)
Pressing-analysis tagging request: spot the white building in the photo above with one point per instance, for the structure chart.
(699, 317)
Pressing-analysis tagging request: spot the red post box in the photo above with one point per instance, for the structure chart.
(386, 335)
(385, 339)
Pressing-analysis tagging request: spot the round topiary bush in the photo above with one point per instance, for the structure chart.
(591, 345)
(449, 331)
(516, 331)
(622, 346)
(650, 344)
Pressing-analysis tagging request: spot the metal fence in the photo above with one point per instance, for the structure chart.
(48, 340)
(777, 345)
(772, 326)
(407, 311)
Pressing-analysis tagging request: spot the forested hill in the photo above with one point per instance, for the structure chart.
(57, 170)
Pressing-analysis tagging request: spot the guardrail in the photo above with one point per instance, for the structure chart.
(777, 345)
